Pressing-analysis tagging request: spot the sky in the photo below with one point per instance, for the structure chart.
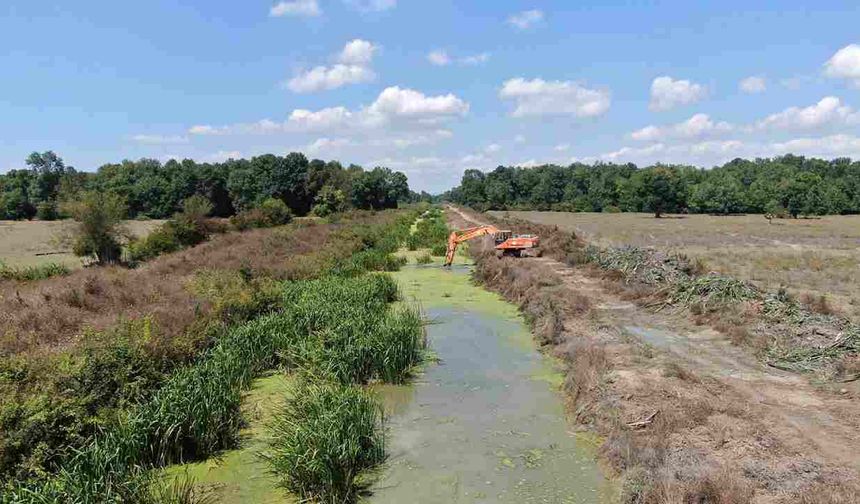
(430, 88)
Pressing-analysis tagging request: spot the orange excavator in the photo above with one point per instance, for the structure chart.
(506, 243)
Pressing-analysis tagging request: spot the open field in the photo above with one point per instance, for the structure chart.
(21, 241)
(808, 256)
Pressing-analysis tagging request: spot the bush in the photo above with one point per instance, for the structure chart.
(99, 229)
(272, 212)
(423, 259)
(329, 201)
(47, 211)
(439, 250)
(185, 229)
(323, 438)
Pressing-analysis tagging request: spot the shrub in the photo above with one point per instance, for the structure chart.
(99, 229)
(272, 212)
(47, 211)
(329, 201)
(185, 229)
(439, 250)
(323, 438)
(423, 259)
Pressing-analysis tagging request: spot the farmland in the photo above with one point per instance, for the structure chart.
(31, 243)
(810, 257)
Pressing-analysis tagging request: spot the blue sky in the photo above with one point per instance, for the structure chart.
(429, 88)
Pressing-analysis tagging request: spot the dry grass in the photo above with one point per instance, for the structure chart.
(21, 241)
(52, 314)
(815, 256)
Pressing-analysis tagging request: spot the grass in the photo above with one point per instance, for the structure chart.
(30, 273)
(196, 411)
(324, 438)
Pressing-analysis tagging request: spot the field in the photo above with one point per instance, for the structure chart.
(810, 257)
(30, 243)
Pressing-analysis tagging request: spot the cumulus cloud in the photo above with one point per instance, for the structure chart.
(753, 85)
(438, 57)
(406, 107)
(828, 112)
(492, 148)
(371, 5)
(224, 155)
(160, 139)
(668, 93)
(562, 147)
(538, 97)
(324, 78)
(526, 19)
(304, 8)
(519, 139)
(352, 67)
(697, 126)
(400, 102)
(845, 64)
(357, 52)
(841, 145)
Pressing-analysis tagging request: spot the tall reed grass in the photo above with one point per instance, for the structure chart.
(324, 438)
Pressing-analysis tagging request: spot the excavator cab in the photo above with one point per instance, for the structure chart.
(500, 237)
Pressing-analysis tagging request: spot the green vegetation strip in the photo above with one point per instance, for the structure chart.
(337, 331)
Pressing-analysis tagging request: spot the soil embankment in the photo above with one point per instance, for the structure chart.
(687, 416)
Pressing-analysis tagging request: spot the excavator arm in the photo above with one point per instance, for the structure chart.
(458, 237)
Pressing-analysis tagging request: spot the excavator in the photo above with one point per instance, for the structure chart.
(506, 243)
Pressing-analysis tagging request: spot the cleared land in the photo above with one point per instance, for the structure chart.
(810, 257)
(30, 243)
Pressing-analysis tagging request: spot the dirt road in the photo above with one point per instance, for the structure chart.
(789, 439)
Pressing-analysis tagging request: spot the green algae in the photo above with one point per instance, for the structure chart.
(240, 475)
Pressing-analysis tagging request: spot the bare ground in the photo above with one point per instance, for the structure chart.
(687, 416)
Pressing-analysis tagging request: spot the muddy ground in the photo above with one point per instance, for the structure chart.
(685, 415)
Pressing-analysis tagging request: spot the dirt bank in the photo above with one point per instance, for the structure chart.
(686, 416)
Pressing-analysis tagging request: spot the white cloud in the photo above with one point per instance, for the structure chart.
(438, 57)
(323, 78)
(828, 112)
(400, 102)
(352, 68)
(519, 139)
(160, 139)
(371, 5)
(531, 163)
(357, 52)
(668, 93)
(305, 8)
(324, 119)
(845, 64)
(475, 59)
(697, 126)
(492, 148)
(223, 155)
(526, 19)
(562, 147)
(538, 97)
(753, 84)
(841, 145)
(406, 107)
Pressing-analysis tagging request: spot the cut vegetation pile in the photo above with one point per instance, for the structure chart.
(785, 333)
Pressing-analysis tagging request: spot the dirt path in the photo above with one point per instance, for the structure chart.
(809, 424)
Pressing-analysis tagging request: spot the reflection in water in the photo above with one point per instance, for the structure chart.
(482, 426)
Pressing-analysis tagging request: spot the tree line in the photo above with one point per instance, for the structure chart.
(156, 190)
(789, 186)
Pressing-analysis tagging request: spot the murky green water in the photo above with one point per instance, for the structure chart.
(485, 424)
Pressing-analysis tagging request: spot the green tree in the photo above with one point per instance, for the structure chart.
(99, 231)
(328, 201)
